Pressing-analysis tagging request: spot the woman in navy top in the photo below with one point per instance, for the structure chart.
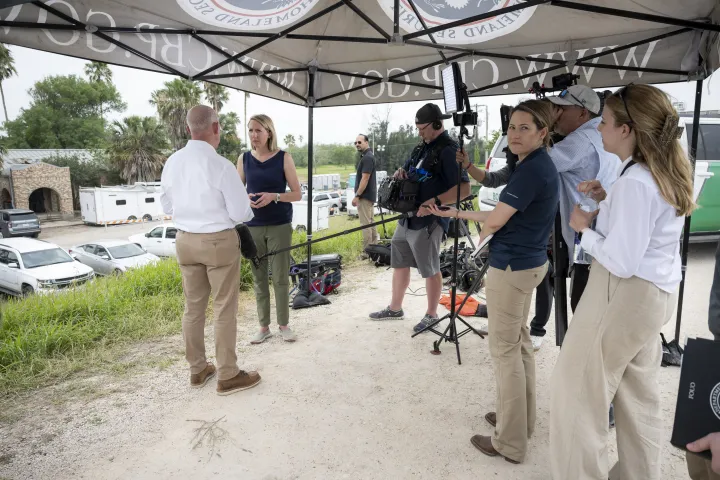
(267, 171)
(521, 224)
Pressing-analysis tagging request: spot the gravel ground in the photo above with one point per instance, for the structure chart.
(351, 399)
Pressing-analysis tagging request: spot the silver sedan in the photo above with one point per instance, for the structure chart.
(112, 257)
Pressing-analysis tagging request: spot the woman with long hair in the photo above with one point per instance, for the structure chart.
(520, 224)
(267, 171)
(612, 350)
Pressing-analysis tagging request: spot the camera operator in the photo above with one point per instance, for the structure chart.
(578, 156)
(205, 196)
(416, 242)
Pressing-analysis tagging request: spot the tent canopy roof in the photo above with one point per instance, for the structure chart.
(378, 51)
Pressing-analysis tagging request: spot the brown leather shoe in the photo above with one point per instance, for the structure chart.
(241, 381)
(491, 418)
(198, 380)
(484, 444)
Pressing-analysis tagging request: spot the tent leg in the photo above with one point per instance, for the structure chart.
(686, 228)
(310, 179)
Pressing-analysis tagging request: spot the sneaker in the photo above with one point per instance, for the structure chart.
(261, 336)
(288, 335)
(242, 381)
(198, 380)
(426, 320)
(387, 314)
(536, 342)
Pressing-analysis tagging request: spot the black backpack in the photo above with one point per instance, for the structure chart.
(379, 253)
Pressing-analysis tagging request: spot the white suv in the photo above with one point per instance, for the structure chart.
(488, 197)
(34, 266)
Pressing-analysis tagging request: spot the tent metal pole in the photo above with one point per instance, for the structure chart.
(396, 18)
(367, 19)
(350, 90)
(264, 73)
(308, 236)
(635, 15)
(424, 25)
(686, 228)
(414, 70)
(495, 13)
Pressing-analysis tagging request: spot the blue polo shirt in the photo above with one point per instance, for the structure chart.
(440, 180)
(533, 189)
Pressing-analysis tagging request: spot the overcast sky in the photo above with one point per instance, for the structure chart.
(332, 124)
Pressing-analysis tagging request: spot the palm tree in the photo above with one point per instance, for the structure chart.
(7, 70)
(216, 95)
(172, 104)
(137, 148)
(98, 72)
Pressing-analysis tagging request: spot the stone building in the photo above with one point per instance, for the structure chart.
(28, 182)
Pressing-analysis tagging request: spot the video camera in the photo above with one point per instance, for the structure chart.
(559, 82)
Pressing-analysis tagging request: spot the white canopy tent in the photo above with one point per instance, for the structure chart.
(322, 53)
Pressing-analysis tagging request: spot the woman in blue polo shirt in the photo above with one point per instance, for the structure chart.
(521, 224)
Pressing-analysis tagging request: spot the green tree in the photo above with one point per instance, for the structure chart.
(490, 142)
(64, 113)
(289, 140)
(172, 104)
(245, 125)
(216, 95)
(299, 155)
(7, 70)
(98, 72)
(137, 148)
(230, 144)
(83, 173)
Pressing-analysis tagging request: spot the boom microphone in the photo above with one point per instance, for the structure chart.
(247, 244)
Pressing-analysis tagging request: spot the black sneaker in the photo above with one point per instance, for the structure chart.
(387, 314)
(426, 320)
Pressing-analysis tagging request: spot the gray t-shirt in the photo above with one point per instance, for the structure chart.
(367, 165)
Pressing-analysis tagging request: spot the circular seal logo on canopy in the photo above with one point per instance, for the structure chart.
(715, 400)
(247, 14)
(439, 12)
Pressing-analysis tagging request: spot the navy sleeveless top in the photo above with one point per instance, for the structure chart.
(267, 176)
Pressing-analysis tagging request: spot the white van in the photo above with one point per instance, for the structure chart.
(488, 197)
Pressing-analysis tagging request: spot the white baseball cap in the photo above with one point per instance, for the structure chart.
(580, 96)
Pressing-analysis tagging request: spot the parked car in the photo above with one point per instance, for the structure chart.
(343, 201)
(705, 225)
(30, 266)
(159, 241)
(19, 222)
(112, 257)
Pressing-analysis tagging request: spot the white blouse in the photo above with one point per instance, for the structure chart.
(637, 232)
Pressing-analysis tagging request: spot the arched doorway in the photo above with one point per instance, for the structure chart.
(6, 199)
(44, 200)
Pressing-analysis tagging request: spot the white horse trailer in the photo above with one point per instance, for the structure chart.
(121, 203)
(320, 216)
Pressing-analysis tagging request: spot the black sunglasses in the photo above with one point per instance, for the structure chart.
(621, 93)
(566, 92)
(358, 143)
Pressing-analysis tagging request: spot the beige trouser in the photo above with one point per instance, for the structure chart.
(611, 353)
(699, 468)
(366, 210)
(509, 296)
(210, 261)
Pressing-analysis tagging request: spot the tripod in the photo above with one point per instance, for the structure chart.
(451, 333)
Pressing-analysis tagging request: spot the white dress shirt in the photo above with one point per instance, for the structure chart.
(203, 191)
(637, 231)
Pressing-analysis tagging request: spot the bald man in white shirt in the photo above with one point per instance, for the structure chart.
(204, 194)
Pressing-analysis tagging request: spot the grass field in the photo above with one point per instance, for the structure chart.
(343, 170)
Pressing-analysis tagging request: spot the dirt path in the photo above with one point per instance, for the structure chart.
(351, 399)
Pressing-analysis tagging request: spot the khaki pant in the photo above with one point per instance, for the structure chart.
(509, 296)
(269, 239)
(611, 353)
(366, 210)
(210, 262)
(699, 468)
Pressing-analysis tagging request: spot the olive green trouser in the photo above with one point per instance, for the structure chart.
(268, 239)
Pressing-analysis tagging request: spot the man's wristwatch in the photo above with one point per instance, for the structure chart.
(277, 197)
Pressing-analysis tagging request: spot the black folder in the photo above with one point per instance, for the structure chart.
(698, 404)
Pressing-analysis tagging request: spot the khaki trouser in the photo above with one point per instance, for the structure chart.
(611, 353)
(699, 468)
(509, 296)
(210, 262)
(366, 210)
(269, 239)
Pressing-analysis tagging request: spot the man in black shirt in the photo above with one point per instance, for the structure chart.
(365, 191)
(416, 242)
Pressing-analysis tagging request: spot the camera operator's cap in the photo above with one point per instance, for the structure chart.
(580, 96)
(429, 113)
